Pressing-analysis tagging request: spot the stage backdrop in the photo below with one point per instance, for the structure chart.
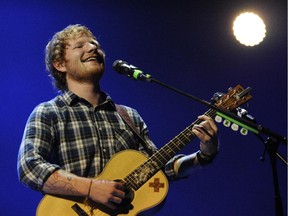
(186, 44)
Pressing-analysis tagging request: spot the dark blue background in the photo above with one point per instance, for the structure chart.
(187, 44)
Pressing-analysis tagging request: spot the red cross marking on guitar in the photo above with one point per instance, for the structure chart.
(156, 184)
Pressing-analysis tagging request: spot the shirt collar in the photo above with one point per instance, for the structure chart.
(70, 98)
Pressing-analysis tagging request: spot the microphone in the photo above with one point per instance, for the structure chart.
(131, 71)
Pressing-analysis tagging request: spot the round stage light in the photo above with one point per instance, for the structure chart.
(249, 29)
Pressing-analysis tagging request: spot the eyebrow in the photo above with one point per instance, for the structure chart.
(80, 42)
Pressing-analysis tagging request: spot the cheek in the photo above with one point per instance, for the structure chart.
(75, 61)
(74, 65)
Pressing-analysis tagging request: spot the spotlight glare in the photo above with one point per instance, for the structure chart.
(249, 29)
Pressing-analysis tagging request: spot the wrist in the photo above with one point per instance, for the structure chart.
(205, 159)
(209, 149)
(88, 191)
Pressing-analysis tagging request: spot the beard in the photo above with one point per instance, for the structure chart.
(87, 74)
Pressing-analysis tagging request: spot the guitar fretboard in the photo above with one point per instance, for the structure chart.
(153, 164)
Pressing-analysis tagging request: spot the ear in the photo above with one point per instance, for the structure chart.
(60, 66)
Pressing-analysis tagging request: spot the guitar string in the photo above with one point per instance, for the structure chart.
(160, 156)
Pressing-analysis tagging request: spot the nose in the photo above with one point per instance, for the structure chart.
(93, 48)
(90, 47)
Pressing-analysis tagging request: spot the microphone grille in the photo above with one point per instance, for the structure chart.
(118, 65)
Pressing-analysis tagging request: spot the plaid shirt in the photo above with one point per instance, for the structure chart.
(68, 133)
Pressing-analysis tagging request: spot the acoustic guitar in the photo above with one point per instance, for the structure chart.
(146, 185)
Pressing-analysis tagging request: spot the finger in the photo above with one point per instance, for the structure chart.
(211, 122)
(119, 193)
(202, 136)
(113, 202)
(202, 129)
(115, 199)
(119, 185)
(111, 205)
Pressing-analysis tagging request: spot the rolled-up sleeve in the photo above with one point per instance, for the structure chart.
(37, 142)
(169, 168)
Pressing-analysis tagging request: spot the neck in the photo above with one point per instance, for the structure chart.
(88, 91)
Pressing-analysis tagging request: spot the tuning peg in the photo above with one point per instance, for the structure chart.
(226, 123)
(244, 131)
(218, 119)
(234, 127)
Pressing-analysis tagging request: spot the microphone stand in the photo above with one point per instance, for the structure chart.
(271, 144)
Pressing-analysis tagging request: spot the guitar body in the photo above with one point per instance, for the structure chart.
(149, 195)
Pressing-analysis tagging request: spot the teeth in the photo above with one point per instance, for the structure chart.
(90, 59)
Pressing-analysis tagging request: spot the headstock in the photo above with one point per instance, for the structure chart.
(233, 99)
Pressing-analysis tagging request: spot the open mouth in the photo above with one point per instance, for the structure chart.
(89, 59)
(97, 58)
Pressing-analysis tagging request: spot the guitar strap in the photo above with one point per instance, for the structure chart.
(123, 113)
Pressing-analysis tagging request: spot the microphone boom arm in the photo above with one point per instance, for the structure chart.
(257, 129)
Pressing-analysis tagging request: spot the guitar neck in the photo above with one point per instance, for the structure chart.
(154, 163)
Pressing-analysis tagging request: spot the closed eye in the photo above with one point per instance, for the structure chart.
(77, 46)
